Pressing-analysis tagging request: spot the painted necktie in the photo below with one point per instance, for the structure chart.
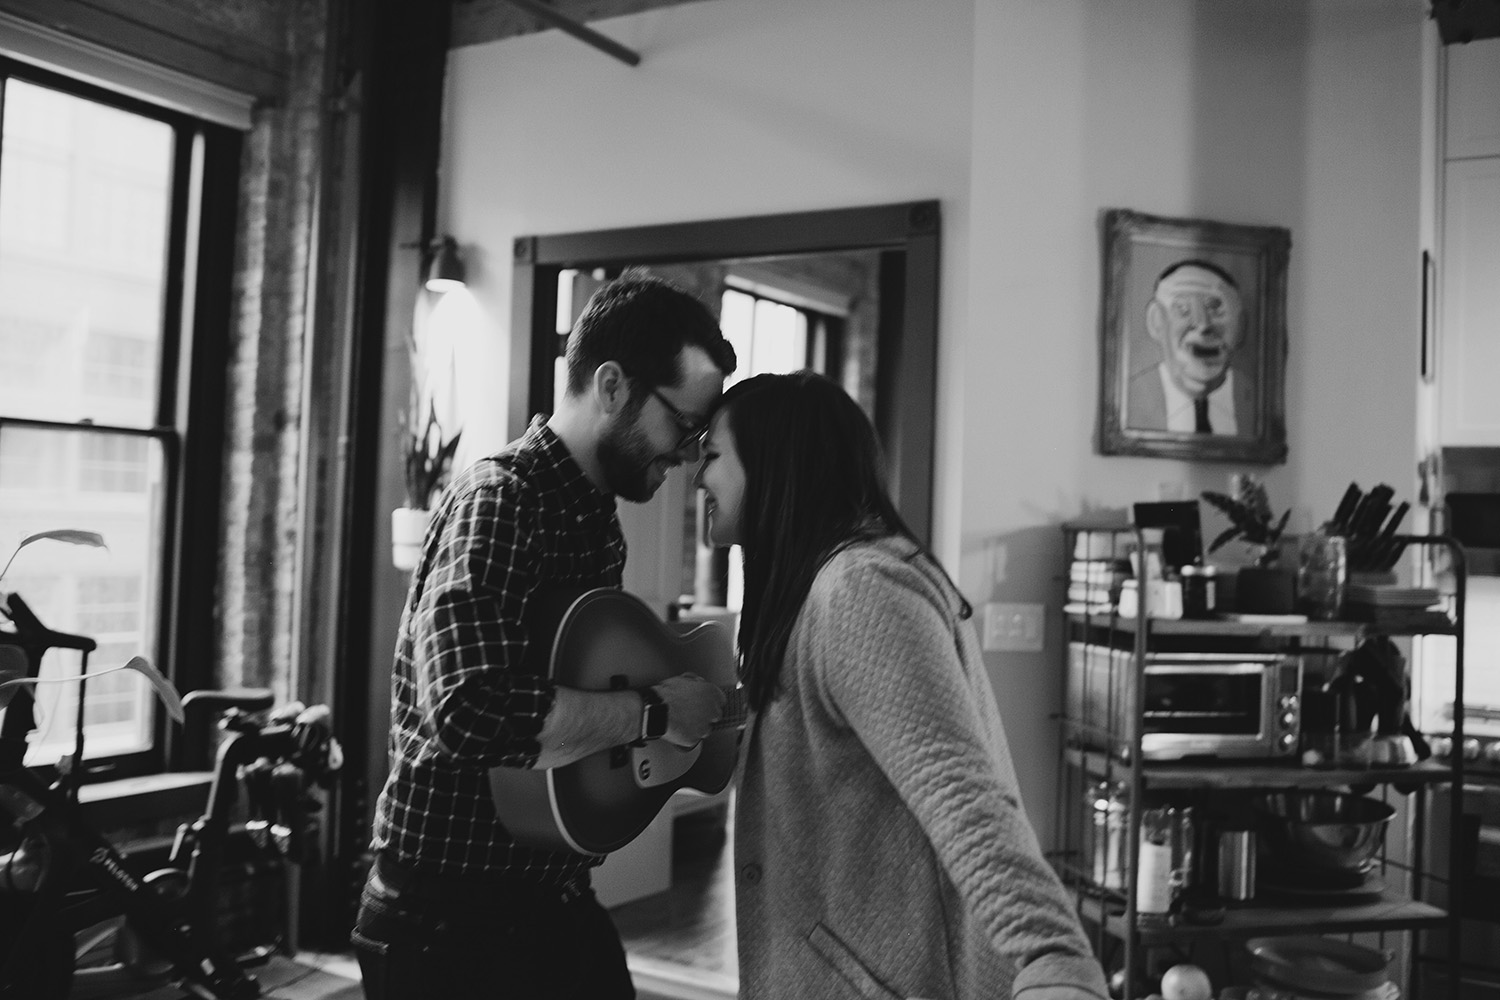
(1200, 416)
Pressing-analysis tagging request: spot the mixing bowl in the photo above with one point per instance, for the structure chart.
(1322, 831)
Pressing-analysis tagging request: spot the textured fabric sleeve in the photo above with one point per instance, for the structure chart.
(888, 665)
(478, 704)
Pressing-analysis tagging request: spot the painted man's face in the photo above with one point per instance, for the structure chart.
(1199, 320)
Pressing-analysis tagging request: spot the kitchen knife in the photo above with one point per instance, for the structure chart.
(1340, 519)
(1377, 506)
(1385, 550)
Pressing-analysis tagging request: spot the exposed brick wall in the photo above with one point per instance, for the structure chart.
(265, 409)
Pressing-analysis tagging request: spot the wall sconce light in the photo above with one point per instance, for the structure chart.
(446, 272)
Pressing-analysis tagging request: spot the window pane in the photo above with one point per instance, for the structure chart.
(780, 338)
(100, 481)
(84, 212)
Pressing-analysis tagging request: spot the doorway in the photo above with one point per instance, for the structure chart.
(851, 293)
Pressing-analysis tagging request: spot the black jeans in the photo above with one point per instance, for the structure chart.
(420, 936)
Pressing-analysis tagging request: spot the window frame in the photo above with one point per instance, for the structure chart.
(192, 374)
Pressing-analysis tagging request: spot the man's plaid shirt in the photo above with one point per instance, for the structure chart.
(523, 522)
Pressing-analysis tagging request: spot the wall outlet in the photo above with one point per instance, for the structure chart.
(1014, 628)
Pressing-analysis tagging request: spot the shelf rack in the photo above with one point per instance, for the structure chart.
(1121, 932)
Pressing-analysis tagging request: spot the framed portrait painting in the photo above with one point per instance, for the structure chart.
(1193, 339)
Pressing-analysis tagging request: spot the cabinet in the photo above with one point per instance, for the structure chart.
(1467, 344)
(1409, 893)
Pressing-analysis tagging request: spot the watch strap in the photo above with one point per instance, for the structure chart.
(653, 714)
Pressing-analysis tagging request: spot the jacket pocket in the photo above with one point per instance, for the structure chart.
(848, 965)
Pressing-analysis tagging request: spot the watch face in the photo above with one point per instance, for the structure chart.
(656, 720)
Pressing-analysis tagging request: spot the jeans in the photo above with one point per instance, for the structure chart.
(428, 938)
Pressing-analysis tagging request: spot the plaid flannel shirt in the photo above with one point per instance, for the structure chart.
(520, 523)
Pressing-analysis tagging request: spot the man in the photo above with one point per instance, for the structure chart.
(453, 907)
(1197, 317)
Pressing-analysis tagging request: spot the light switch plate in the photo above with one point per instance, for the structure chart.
(1014, 628)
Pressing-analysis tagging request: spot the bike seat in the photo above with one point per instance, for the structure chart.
(244, 699)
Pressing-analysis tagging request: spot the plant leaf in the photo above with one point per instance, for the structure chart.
(1226, 535)
(164, 689)
(73, 536)
(1226, 504)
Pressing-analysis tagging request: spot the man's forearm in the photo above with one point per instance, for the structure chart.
(585, 722)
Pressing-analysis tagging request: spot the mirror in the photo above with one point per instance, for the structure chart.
(901, 241)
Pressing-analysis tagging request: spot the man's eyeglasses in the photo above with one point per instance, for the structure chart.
(692, 431)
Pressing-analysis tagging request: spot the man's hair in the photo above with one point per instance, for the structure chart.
(642, 323)
(814, 484)
(1224, 275)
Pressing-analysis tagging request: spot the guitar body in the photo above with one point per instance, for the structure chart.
(608, 640)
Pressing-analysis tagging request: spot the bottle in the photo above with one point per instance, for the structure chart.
(1153, 881)
(1106, 802)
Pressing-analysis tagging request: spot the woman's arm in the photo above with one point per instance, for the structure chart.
(889, 664)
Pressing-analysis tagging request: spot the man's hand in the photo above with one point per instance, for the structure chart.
(693, 706)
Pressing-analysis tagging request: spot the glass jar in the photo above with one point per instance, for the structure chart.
(1322, 574)
(1199, 591)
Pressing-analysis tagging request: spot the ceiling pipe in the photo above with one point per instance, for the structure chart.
(558, 20)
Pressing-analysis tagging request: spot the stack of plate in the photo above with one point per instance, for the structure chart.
(1318, 968)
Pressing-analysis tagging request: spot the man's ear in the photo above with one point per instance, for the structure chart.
(611, 387)
(1156, 321)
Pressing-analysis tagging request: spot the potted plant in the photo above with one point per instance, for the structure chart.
(1263, 587)
(427, 457)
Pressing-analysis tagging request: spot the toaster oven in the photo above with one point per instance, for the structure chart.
(1224, 705)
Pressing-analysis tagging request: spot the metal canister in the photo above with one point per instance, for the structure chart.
(1237, 864)
(1199, 590)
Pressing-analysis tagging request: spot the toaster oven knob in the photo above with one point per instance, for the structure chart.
(1471, 748)
(1442, 746)
(1288, 742)
(1492, 752)
(1288, 720)
(1288, 701)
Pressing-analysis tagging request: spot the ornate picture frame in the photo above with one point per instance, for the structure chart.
(1193, 339)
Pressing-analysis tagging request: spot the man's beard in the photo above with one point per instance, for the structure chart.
(626, 458)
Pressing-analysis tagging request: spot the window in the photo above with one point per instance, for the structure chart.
(769, 337)
(106, 218)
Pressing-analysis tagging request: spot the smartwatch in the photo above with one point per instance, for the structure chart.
(653, 714)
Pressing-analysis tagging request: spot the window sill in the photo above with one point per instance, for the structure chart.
(144, 799)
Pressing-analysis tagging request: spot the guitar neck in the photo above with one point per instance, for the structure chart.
(736, 708)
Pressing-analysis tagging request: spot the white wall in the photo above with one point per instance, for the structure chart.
(1268, 112)
(1025, 118)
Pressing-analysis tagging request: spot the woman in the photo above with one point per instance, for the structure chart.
(881, 849)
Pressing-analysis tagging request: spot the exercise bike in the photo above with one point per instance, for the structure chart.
(68, 896)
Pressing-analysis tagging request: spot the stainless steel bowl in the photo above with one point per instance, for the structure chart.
(1322, 831)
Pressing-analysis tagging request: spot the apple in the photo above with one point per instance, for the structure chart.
(1186, 982)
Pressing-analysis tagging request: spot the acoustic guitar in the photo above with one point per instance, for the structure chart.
(610, 640)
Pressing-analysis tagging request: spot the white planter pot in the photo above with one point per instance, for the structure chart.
(408, 526)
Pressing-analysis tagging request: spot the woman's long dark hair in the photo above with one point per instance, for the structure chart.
(814, 484)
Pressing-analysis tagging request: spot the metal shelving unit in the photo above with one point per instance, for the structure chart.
(1122, 936)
